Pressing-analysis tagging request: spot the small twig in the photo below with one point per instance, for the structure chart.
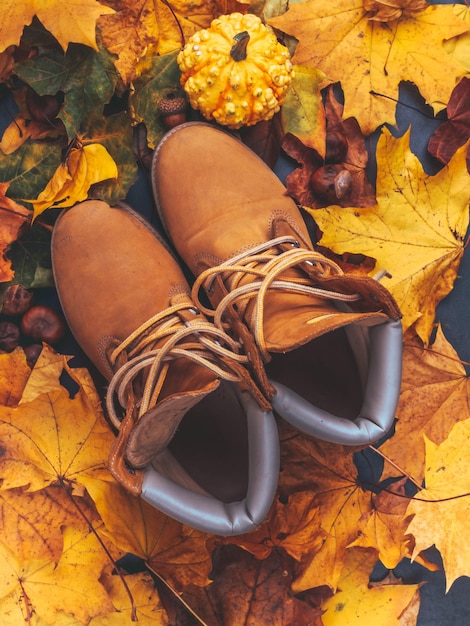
(397, 467)
(177, 595)
(168, 5)
(403, 104)
(445, 356)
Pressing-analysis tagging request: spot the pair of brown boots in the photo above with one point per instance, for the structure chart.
(269, 328)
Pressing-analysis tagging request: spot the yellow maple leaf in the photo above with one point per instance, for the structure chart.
(384, 527)
(149, 610)
(459, 47)
(147, 27)
(326, 473)
(295, 527)
(44, 588)
(32, 522)
(434, 396)
(442, 510)
(173, 550)
(415, 232)
(52, 439)
(358, 603)
(369, 57)
(72, 180)
(68, 20)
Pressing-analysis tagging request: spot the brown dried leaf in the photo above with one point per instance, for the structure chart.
(248, 591)
(453, 133)
(345, 150)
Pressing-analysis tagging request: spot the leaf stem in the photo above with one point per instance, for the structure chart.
(403, 104)
(177, 595)
(27, 603)
(397, 467)
(103, 545)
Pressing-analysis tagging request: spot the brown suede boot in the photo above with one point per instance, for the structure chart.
(196, 438)
(325, 346)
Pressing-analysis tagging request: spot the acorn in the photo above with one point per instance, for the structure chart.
(172, 109)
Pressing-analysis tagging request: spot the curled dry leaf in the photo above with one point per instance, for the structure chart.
(453, 133)
(339, 178)
(72, 180)
(392, 9)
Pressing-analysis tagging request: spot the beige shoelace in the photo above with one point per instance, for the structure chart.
(265, 263)
(197, 340)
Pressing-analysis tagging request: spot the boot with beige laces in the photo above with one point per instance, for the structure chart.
(324, 346)
(196, 438)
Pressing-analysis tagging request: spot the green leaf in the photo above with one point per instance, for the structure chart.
(303, 114)
(86, 77)
(116, 135)
(31, 257)
(29, 169)
(159, 75)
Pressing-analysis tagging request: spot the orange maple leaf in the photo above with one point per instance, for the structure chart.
(144, 27)
(174, 551)
(434, 396)
(327, 513)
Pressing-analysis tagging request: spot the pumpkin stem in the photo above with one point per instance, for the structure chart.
(238, 50)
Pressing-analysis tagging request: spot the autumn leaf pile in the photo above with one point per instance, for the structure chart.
(79, 86)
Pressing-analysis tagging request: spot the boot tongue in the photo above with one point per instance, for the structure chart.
(292, 320)
(186, 383)
(155, 429)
